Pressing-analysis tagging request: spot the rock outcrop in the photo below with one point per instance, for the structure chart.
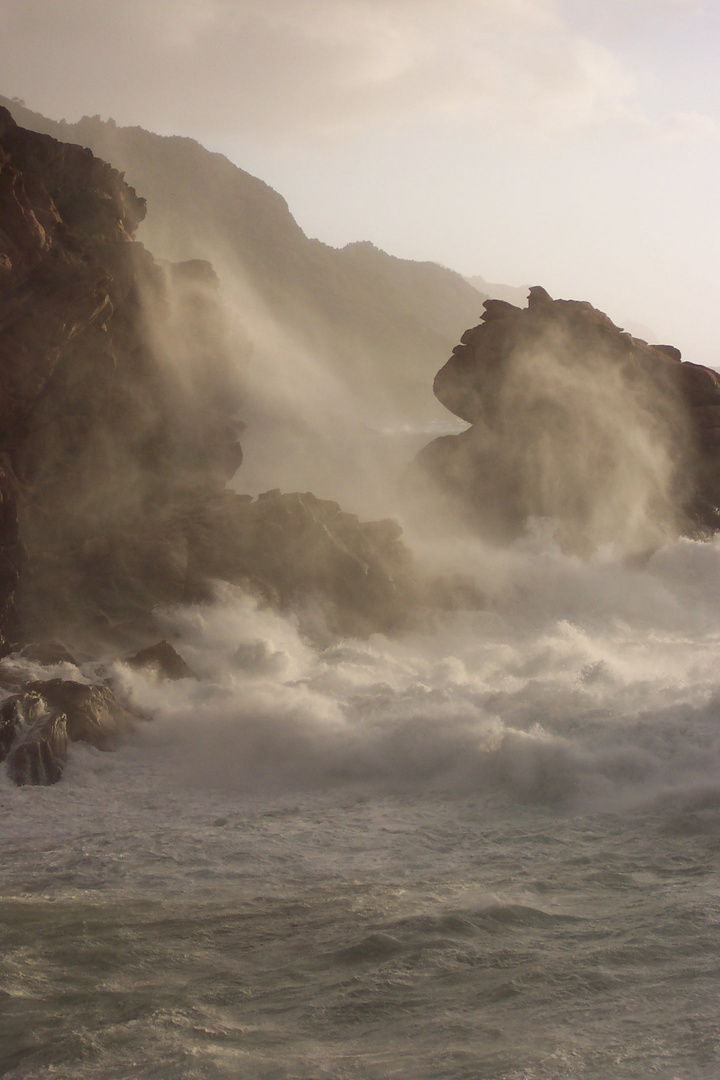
(571, 419)
(298, 552)
(351, 309)
(119, 395)
(37, 724)
(160, 660)
(103, 432)
(34, 740)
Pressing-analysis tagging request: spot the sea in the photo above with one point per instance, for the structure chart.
(484, 849)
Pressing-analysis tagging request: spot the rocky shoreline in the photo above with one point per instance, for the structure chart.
(115, 457)
(121, 401)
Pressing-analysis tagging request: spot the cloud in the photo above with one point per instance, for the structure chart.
(680, 126)
(284, 70)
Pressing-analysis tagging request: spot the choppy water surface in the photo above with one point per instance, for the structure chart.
(489, 850)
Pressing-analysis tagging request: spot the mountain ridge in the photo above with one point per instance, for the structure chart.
(380, 323)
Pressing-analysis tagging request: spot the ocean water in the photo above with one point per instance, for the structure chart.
(484, 850)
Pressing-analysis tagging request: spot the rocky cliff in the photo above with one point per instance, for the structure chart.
(375, 322)
(101, 433)
(573, 420)
(120, 392)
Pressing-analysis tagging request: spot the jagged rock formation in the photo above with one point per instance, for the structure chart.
(37, 724)
(33, 740)
(376, 322)
(162, 661)
(574, 420)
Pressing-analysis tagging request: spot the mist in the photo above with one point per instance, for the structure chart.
(358, 630)
(518, 703)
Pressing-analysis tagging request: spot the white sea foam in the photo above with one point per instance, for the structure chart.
(473, 851)
(580, 683)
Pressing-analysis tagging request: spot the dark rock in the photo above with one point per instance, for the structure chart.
(296, 551)
(37, 723)
(86, 193)
(161, 660)
(33, 739)
(576, 421)
(39, 757)
(11, 721)
(497, 309)
(47, 652)
(539, 297)
(93, 713)
(667, 350)
(102, 437)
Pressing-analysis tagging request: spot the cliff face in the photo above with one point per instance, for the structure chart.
(100, 432)
(376, 322)
(573, 420)
(119, 390)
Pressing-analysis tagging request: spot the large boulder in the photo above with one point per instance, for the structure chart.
(573, 420)
(93, 713)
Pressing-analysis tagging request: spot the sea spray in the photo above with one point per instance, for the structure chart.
(580, 684)
(474, 851)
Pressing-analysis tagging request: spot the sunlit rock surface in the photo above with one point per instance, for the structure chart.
(572, 420)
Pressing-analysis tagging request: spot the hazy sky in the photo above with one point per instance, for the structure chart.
(572, 143)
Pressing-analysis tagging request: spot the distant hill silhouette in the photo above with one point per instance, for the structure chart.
(513, 294)
(380, 324)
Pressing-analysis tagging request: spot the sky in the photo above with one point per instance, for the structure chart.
(569, 143)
